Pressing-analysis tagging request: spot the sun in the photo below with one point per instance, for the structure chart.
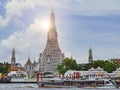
(45, 24)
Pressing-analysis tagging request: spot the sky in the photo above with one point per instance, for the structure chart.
(81, 24)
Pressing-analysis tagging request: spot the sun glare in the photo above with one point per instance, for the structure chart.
(45, 24)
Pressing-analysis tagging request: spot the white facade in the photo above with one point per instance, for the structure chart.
(90, 74)
(30, 67)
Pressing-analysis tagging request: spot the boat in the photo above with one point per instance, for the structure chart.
(54, 84)
(105, 83)
(5, 79)
(101, 83)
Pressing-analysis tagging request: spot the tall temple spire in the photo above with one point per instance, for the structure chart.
(52, 19)
(13, 59)
(52, 33)
(90, 55)
(52, 55)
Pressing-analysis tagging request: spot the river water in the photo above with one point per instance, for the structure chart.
(32, 86)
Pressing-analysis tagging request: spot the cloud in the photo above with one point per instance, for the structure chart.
(3, 22)
(90, 7)
(15, 8)
(27, 37)
(28, 42)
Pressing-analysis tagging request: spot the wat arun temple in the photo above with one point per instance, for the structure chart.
(52, 54)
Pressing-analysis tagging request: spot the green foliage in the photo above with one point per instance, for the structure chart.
(70, 64)
(32, 76)
(67, 64)
(4, 68)
(61, 68)
(97, 63)
(110, 66)
(47, 73)
(79, 67)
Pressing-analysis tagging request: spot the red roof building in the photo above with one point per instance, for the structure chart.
(117, 61)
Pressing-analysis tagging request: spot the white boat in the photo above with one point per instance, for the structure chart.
(106, 84)
(17, 79)
(100, 83)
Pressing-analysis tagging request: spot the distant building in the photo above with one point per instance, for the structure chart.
(13, 59)
(89, 74)
(52, 55)
(90, 58)
(15, 66)
(117, 61)
(117, 72)
(30, 67)
(34, 65)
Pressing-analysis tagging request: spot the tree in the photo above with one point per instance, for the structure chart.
(67, 64)
(4, 68)
(80, 67)
(70, 64)
(97, 63)
(1, 69)
(61, 69)
(110, 66)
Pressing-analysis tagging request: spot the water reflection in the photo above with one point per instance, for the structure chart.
(29, 85)
(32, 86)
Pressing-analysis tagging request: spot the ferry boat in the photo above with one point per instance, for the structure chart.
(5, 79)
(103, 83)
(55, 82)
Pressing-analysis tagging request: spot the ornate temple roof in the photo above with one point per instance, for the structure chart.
(28, 62)
(34, 63)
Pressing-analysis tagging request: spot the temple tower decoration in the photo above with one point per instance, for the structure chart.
(90, 58)
(13, 59)
(52, 55)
